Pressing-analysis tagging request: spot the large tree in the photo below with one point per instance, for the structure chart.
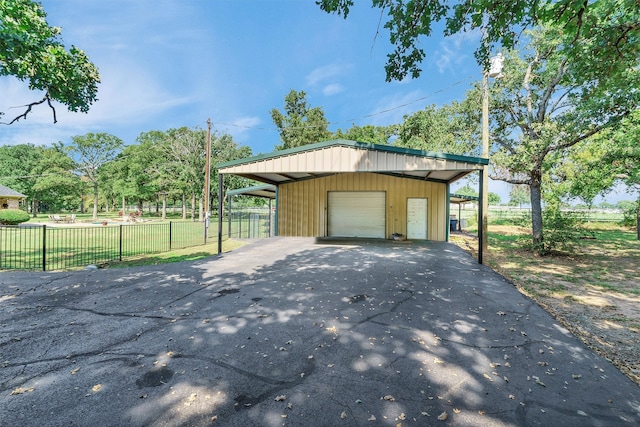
(453, 128)
(16, 163)
(368, 133)
(185, 149)
(55, 184)
(610, 27)
(299, 124)
(32, 51)
(546, 104)
(44, 174)
(179, 168)
(595, 165)
(91, 152)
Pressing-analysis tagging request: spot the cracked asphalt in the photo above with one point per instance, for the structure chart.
(297, 332)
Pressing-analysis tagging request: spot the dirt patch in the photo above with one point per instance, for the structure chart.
(594, 291)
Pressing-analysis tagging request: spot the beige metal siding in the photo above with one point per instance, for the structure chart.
(302, 209)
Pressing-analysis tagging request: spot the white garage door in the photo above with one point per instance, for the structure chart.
(356, 214)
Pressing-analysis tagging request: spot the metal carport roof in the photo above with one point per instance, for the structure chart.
(267, 191)
(338, 156)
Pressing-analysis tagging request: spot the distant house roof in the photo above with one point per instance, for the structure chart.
(8, 192)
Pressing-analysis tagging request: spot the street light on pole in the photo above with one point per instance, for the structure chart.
(495, 71)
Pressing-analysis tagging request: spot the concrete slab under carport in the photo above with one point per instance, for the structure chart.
(297, 332)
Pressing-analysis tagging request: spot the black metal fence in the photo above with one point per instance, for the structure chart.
(250, 224)
(42, 247)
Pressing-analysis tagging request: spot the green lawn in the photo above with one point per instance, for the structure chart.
(87, 241)
(70, 246)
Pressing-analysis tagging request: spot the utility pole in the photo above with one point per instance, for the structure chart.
(495, 72)
(485, 168)
(207, 172)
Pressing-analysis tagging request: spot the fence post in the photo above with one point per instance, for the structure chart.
(44, 247)
(269, 228)
(170, 234)
(120, 242)
(229, 215)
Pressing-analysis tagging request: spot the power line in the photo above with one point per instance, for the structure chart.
(28, 176)
(367, 116)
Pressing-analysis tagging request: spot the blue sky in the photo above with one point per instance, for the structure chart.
(174, 63)
(166, 64)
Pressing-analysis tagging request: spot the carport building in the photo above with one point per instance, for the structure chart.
(345, 188)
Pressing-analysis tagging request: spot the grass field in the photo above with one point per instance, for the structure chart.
(497, 214)
(63, 246)
(187, 254)
(42, 244)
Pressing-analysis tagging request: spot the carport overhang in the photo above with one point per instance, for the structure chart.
(344, 156)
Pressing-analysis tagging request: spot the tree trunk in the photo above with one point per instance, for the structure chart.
(200, 210)
(638, 218)
(536, 210)
(193, 207)
(184, 206)
(164, 206)
(95, 200)
(124, 207)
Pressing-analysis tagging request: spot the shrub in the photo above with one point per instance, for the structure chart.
(562, 230)
(13, 216)
(630, 218)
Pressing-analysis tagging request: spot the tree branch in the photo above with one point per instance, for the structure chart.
(551, 87)
(30, 106)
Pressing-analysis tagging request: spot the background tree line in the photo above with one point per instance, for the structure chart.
(98, 171)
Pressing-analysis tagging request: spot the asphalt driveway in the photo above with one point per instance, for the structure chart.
(294, 332)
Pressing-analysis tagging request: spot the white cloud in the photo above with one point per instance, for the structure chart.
(324, 73)
(332, 89)
(246, 122)
(128, 95)
(326, 77)
(451, 53)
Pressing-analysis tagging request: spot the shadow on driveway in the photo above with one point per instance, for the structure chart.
(295, 332)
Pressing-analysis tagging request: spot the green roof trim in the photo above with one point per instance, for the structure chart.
(355, 144)
(465, 197)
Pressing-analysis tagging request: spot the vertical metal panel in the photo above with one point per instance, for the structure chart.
(302, 209)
